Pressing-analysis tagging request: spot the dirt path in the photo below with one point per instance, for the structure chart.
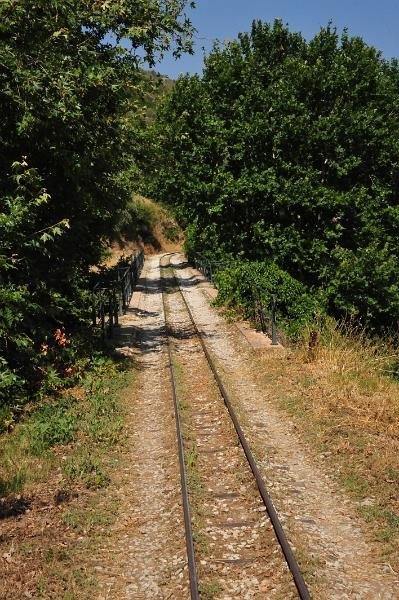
(145, 555)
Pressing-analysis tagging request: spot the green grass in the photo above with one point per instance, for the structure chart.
(50, 425)
(69, 442)
(84, 466)
(86, 520)
(375, 513)
(356, 485)
(86, 426)
(210, 589)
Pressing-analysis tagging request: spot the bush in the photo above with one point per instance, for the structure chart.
(237, 287)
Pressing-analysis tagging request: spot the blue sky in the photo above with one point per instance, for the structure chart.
(376, 21)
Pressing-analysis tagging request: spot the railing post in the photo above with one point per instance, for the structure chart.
(110, 320)
(123, 292)
(109, 309)
(94, 310)
(115, 307)
(273, 320)
(102, 313)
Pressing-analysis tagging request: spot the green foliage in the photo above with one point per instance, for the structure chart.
(51, 425)
(238, 285)
(103, 421)
(88, 469)
(287, 151)
(138, 219)
(72, 101)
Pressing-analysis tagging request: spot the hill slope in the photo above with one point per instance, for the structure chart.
(147, 225)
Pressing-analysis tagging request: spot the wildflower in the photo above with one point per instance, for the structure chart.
(44, 349)
(60, 338)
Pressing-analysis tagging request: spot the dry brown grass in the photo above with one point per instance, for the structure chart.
(347, 404)
(162, 233)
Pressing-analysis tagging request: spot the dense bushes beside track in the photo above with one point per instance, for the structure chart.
(286, 151)
(240, 285)
(73, 103)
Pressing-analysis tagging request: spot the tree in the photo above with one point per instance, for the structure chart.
(287, 151)
(71, 104)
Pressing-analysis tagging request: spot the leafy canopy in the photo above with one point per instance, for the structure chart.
(287, 151)
(72, 107)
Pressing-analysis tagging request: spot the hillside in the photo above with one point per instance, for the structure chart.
(148, 225)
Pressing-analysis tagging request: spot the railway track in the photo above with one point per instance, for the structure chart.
(235, 540)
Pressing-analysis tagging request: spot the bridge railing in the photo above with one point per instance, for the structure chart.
(111, 300)
(263, 311)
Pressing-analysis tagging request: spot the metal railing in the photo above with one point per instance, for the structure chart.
(111, 299)
(128, 276)
(208, 267)
(263, 313)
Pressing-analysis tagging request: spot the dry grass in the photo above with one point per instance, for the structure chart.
(346, 400)
(158, 232)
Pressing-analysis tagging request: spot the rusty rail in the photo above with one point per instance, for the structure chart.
(192, 570)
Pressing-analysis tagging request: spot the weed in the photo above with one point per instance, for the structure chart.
(62, 554)
(105, 430)
(292, 404)
(41, 586)
(88, 469)
(193, 478)
(201, 542)
(50, 425)
(49, 555)
(26, 548)
(210, 589)
(386, 518)
(12, 485)
(307, 382)
(356, 485)
(191, 457)
(84, 521)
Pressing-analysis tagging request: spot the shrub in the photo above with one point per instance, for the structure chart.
(238, 286)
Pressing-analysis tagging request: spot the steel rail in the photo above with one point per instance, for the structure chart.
(194, 589)
(292, 563)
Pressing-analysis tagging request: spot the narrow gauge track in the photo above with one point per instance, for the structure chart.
(245, 506)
